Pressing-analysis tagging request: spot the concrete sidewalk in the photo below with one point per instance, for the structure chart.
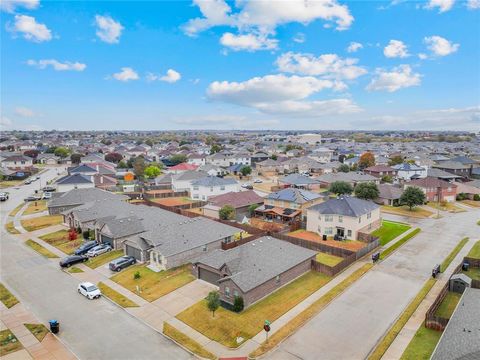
(407, 333)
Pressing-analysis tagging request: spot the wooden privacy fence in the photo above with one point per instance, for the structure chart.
(166, 194)
(333, 270)
(245, 240)
(313, 245)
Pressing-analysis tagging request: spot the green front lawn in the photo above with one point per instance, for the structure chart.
(227, 325)
(60, 240)
(327, 259)
(6, 297)
(154, 285)
(475, 251)
(100, 260)
(40, 249)
(390, 230)
(8, 343)
(448, 305)
(473, 273)
(10, 183)
(41, 222)
(38, 330)
(422, 345)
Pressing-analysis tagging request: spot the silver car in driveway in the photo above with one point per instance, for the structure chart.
(98, 250)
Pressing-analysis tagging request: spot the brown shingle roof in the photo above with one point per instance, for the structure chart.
(236, 199)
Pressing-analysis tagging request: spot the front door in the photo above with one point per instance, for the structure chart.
(341, 232)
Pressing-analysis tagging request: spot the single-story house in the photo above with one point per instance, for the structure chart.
(353, 178)
(48, 159)
(380, 171)
(253, 270)
(389, 195)
(344, 217)
(299, 181)
(240, 201)
(76, 181)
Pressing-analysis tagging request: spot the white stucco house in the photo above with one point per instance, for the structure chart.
(209, 186)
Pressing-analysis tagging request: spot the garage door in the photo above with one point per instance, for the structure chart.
(136, 253)
(107, 240)
(208, 276)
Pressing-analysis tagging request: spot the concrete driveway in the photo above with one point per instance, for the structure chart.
(91, 329)
(351, 325)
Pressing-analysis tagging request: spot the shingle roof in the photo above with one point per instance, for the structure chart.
(214, 181)
(236, 199)
(461, 337)
(345, 205)
(74, 179)
(297, 179)
(407, 167)
(297, 196)
(256, 262)
(389, 191)
(82, 196)
(431, 182)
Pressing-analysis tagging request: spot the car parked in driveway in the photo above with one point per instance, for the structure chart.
(89, 290)
(72, 260)
(87, 245)
(257, 181)
(98, 250)
(121, 263)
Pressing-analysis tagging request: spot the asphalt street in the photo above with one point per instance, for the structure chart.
(94, 329)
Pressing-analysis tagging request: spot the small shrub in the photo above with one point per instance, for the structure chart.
(137, 275)
(461, 196)
(238, 304)
(86, 234)
(476, 197)
(72, 234)
(79, 230)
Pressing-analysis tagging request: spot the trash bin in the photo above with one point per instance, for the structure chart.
(324, 237)
(54, 326)
(465, 266)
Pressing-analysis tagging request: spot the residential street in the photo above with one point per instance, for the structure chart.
(91, 329)
(352, 325)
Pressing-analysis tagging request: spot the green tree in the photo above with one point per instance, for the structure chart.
(251, 209)
(412, 196)
(227, 212)
(76, 158)
(122, 165)
(213, 301)
(387, 179)
(344, 168)
(61, 152)
(149, 142)
(395, 160)
(366, 160)
(238, 304)
(246, 170)
(274, 157)
(341, 188)
(215, 149)
(178, 158)
(139, 167)
(367, 191)
(151, 171)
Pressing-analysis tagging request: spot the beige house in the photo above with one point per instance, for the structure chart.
(344, 217)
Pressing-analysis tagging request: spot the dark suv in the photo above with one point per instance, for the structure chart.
(122, 263)
(83, 249)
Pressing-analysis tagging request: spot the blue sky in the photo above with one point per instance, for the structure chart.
(248, 65)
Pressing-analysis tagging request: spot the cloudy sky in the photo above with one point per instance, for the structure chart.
(211, 64)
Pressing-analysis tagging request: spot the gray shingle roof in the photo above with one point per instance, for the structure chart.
(297, 179)
(74, 179)
(214, 181)
(297, 196)
(82, 196)
(258, 261)
(345, 205)
(461, 337)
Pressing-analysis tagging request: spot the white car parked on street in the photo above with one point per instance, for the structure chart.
(98, 250)
(89, 290)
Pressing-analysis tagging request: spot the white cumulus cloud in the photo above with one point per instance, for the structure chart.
(299, 38)
(24, 112)
(354, 47)
(442, 5)
(400, 77)
(12, 5)
(126, 74)
(171, 76)
(473, 4)
(327, 65)
(249, 42)
(440, 46)
(395, 48)
(108, 30)
(31, 29)
(57, 65)
(281, 94)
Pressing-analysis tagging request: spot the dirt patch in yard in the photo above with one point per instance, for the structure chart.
(173, 201)
(351, 245)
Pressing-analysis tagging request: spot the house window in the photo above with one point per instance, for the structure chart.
(211, 189)
(359, 219)
(195, 187)
(204, 248)
(319, 217)
(328, 218)
(277, 279)
(369, 215)
(195, 196)
(235, 293)
(227, 291)
(349, 233)
(222, 187)
(329, 231)
(340, 218)
(319, 229)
